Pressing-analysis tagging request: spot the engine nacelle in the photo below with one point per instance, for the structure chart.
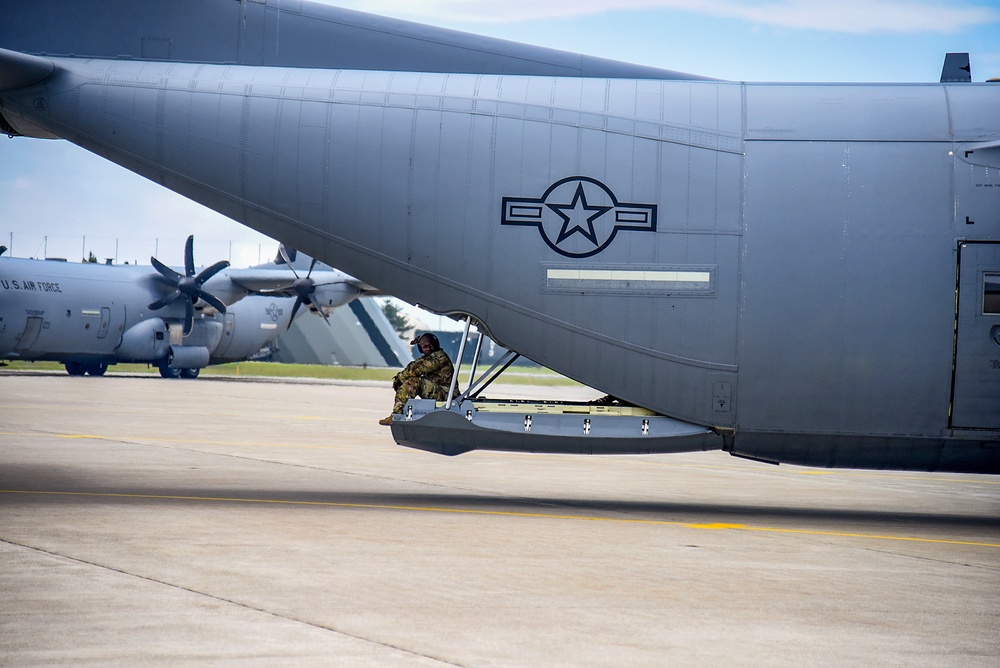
(147, 341)
(188, 357)
(335, 295)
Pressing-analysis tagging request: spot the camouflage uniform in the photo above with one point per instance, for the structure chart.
(428, 378)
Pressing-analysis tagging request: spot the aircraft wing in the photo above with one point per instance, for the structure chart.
(282, 281)
(325, 37)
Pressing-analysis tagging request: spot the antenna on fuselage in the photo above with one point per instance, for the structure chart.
(957, 68)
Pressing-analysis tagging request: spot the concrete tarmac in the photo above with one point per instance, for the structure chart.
(225, 522)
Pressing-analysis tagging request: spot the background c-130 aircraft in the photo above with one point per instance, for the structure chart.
(802, 273)
(89, 316)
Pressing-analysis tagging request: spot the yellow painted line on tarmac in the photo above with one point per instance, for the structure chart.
(508, 513)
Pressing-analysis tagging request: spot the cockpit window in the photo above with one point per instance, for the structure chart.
(991, 294)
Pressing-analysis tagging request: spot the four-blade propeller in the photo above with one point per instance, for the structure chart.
(188, 285)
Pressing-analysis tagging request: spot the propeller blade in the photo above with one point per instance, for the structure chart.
(214, 301)
(319, 309)
(284, 256)
(210, 272)
(164, 269)
(311, 266)
(169, 299)
(189, 255)
(188, 316)
(189, 285)
(295, 309)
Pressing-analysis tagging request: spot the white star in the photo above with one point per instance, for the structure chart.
(575, 216)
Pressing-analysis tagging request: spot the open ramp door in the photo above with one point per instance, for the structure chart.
(550, 427)
(467, 422)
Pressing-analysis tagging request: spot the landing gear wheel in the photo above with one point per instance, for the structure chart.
(190, 373)
(97, 369)
(76, 368)
(168, 371)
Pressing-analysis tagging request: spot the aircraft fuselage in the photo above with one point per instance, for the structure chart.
(93, 315)
(803, 268)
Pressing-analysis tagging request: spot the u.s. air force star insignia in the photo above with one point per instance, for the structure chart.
(274, 312)
(578, 216)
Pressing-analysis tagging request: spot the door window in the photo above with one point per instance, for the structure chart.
(991, 294)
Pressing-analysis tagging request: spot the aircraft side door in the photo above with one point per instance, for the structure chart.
(32, 328)
(102, 330)
(976, 394)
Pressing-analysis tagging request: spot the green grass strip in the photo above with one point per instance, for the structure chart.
(516, 375)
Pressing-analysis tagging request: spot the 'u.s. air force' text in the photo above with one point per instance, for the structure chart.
(39, 286)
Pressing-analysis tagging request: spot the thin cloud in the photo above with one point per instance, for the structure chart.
(23, 183)
(850, 16)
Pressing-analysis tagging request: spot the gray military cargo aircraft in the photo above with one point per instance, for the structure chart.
(89, 316)
(802, 273)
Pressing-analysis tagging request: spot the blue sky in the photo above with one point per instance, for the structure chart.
(59, 200)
